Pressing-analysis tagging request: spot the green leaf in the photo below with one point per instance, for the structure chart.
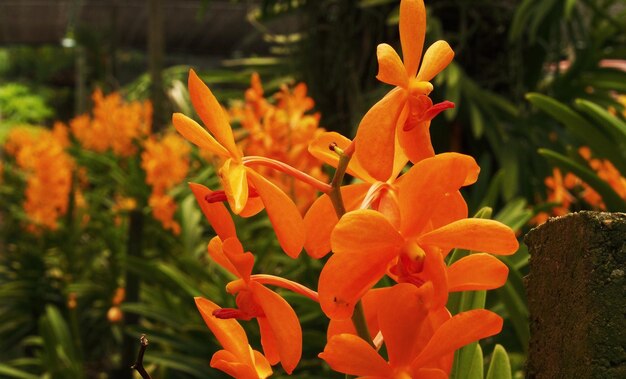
(582, 129)
(12, 372)
(476, 368)
(500, 366)
(611, 124)
(613, 202)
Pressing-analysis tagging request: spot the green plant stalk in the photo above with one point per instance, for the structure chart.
(358, 317)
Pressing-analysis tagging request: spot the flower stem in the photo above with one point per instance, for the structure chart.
(289, 170)
(358, 317)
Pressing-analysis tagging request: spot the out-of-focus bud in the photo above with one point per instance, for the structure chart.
(118, 298)
(115, 314)
(71, 300)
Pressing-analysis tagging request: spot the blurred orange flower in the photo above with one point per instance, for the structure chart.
(48, 175)
(115, 125)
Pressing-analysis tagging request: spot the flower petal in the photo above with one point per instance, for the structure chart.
(212, 114)
(268, 341)
(412, 33)
(376, 135)
(283, 214)
(364, 229)
(227, 331)
(464, 328)
(197, 135)
(477, 272)
(216, 252)
(351, 355)
(416, 142)
(216, 213)
(400, 317)
(426, 184)
(229, 363)
(263, 368)
(284, 323)
(452, 208)
(371, 304)
(390, 67)
(242, 262)
(437, 57)
(319, 148)
(235, 183)
(488, 236)
(320, 219)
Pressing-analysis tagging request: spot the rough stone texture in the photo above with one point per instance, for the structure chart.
(577, 297)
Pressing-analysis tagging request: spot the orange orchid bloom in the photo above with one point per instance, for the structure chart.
(237, 359)
(366, 244)
(417, 347)
(281, 334)
(320, 219)
(240, 182)
(405, 112)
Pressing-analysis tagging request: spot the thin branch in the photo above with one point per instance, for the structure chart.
(139, 362)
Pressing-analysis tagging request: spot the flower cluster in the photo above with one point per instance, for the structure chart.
(281, 130)
(41, 155)
(565, 191)
(394, 225)
(166, 163)
(115, 125)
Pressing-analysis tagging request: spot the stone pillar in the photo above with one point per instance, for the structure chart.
(577, 297)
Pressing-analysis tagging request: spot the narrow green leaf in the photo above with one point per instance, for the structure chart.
(476, 368)
(611, 124)
(613, 202)
(500, 366)
(12, 372)
(582, 129)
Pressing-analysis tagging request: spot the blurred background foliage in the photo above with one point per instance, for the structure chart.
(528, 76)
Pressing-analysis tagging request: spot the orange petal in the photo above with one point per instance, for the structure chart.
(425, 185)
(371, 304)
(435, 272)
(320, 219)
(216, 252)
(319, 148)
(477, 272)
(284, 323)
(283, 214)
(262, 365)
(268, 341)
(242, 262)
(229, 363)
(227, 331)
(351, 355)
(254, 205)
(400, 316)
(364, 229)
(216, 213)
(416, 142)
(451, 209)
(375, 137)
(412, 33)
(197, 135)
(457, 332)
(476, 234)
(235, 183)
(390, 67)
(437, 57)
(431, 373)
(211, 113)
(346, 277)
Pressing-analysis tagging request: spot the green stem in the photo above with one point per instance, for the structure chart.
(358, 317)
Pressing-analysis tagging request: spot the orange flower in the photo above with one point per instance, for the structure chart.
(366, 244)
(115, 125)
(405, 112)
(418, 343)
(49, 171)
(239, 181)
(320, 219)
(237, 359)
(281, 334)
